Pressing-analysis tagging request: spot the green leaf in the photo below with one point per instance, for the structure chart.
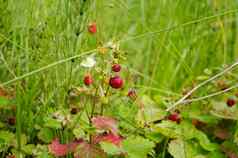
(205, 118)
(28, 148)
(216, 154)
(137, 147)
(151, 112)
(155, 136)
(194, 112)
(179, 148)
(110, 148)
(52, 123)
(6, 137)
(221, 110)
(186, 131)
(44, 155)
(78, 132)
(204, 141)
(168, 129)
(46, 135)
(126, 115)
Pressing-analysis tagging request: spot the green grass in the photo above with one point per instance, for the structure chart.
(168, 44)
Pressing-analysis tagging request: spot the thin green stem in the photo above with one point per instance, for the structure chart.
(231, 67)
(47, 67)
(181, 25)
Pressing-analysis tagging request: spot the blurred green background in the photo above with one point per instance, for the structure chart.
(36, 33)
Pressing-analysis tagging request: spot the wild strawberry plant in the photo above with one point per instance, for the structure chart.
(101, 110)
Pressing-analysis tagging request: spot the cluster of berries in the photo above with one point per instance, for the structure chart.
(115, 82)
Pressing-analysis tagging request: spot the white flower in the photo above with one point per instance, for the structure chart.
(89, 62)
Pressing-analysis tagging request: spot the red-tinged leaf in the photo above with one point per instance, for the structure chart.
(110, 137)
(57, 149)
(86, 150)
(105, 123)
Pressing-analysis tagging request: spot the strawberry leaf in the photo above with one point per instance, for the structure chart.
(221, 110)
(46, 135)
(105, 123)
(177, 148)
(110, 148)
(57, 149)
(150, 112)
(187, 131)
(6, 137)
(137, 147)
(86, 150)
(110, 137)
(180, 148)
(52, 123)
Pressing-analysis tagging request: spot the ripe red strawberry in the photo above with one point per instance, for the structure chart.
(175, 117)
(230, 102)
(116, 82)
(132, 94)
(92, 28)
(88, 80)
(116, 67)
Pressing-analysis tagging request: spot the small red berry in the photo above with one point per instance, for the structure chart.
(116, 82)
(116, 67)
(92, 28)
(88, 80)
(12, 121)
(174, 117)
(230, 102)
(132, 94)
